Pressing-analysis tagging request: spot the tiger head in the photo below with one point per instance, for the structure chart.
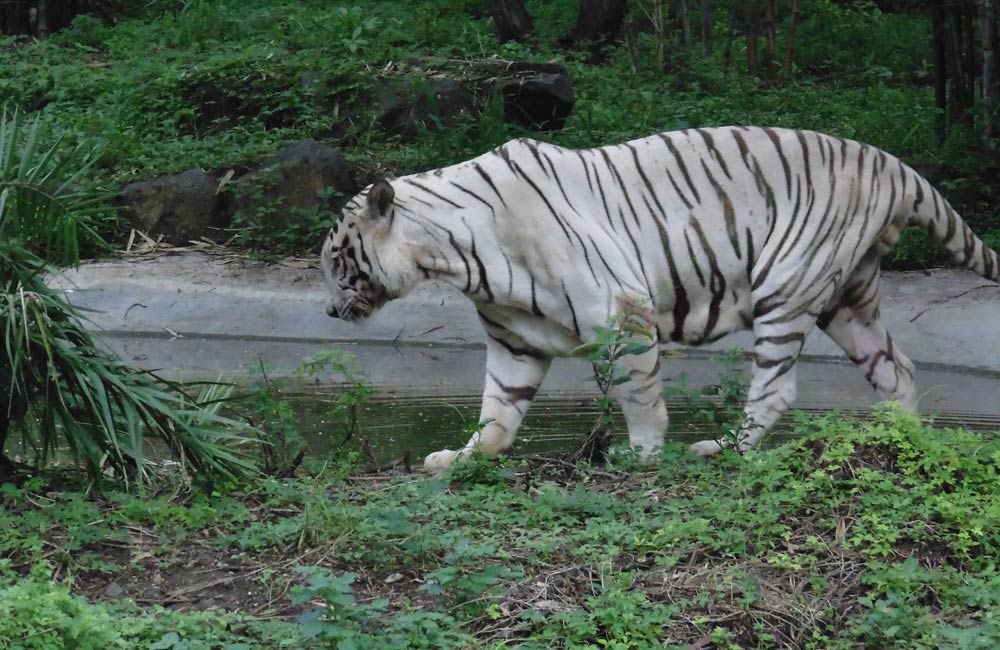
(352, 271)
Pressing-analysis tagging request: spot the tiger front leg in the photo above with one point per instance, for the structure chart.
(513, 373)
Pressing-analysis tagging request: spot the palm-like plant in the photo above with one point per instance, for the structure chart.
(41, 203)
(59, 390)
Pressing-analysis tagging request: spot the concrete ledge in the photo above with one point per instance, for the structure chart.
(944, 317)
(197, 314)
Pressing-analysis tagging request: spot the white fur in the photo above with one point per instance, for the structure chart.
(711, 231)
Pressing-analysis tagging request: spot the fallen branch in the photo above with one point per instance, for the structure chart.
(944, 300)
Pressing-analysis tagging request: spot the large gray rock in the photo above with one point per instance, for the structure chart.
(407, 106)
(537, 95)
(306, 178)
(178, 208)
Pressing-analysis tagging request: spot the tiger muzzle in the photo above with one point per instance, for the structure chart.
(356, 307)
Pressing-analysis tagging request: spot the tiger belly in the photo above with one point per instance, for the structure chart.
(705, 316)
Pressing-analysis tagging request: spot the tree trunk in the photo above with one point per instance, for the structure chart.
(969, 34)
(685, 22)
(510, 19)
(6, 411)
(991, 65)
(953, 56)
(631, 31)
(4, 430)
(750, 27)
(16, 17)
(727, 52)
(661, 25)
(771, 37)
(940, 65)
(598, 21)
(958, 43)
(790, 45)
(58, 14)
(36, 17)
(708, 26)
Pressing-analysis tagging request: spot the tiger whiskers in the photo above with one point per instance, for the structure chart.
(357, 307)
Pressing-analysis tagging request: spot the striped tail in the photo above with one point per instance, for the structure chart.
(932, 212)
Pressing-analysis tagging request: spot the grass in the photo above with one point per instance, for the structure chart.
(881, 534)
(221, 85)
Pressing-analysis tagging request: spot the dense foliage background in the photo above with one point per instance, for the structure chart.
(166, 85)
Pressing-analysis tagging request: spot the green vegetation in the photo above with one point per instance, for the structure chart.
(624, 335)
(875, 535)
(62, 393)
(36, 614)
(220, 85)
(878, 534)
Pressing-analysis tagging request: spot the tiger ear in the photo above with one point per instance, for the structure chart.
(380, 197)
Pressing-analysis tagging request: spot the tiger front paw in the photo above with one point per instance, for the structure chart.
(439, 461)
(705, 448)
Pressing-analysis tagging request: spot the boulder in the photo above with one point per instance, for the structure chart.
(307, 177)
(538, 96)
(178, 208)
(407, 105)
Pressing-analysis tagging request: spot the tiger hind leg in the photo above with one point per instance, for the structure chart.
(854, 324)
(778, 342)
(640, 397)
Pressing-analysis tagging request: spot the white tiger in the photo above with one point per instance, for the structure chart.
(702, 232)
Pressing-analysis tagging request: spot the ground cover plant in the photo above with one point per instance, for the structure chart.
(220, 85)
(876, 534)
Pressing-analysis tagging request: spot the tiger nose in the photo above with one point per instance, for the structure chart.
(331, 310)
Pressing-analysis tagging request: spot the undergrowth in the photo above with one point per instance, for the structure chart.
(877, 534)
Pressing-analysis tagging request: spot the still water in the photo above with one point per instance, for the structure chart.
(419, 424)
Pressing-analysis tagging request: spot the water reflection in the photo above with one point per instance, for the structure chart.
(420, 424)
